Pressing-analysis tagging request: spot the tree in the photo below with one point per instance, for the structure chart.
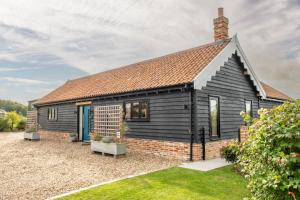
(9, 106)
(13, 119)
(270, 157)
(3, 124)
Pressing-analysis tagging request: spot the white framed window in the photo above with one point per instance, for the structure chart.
(214, 116)
(52, 114)
(248, 107)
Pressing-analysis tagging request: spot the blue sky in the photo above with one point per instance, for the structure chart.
(45, 43)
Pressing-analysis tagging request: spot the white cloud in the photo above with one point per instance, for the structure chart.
(23, 81)
(8, 69)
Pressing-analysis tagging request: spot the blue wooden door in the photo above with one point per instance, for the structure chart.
(86, 123)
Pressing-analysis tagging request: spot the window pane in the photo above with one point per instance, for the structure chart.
(214, 116)
(127, 110)
(55, 116)
(135, 110)
(248, 108)
(144, 110)
(49, 113)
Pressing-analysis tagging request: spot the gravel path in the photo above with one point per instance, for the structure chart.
(41, 169)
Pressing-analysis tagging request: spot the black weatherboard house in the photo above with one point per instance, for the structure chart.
(200, 90)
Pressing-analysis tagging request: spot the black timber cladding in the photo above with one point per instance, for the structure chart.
(232, 87)
(169, 116)
(169, 119)
(67, 118)
(268, 103)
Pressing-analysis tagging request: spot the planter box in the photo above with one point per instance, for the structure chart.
(73, 139)
(110, 148)
(31, 136)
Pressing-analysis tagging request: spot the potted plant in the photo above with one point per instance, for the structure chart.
(108, 144)
(31, 134)
(73, 137)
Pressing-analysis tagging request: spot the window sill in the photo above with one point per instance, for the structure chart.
(137, 120)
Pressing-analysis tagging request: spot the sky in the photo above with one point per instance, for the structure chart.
(45, 43)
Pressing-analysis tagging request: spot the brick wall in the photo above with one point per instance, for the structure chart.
(213, 148)
(53, 135)
(178, 150)
(244, 133)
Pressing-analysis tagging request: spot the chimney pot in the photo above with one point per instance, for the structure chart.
(220, 26)
(220, 12)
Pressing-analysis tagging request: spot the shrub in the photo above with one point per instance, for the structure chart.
(3, 124)
(270, 157)
(231, 152)
(22, 124)
(107, 139)
(13, 119)
(31, 130)
(73, 134)
(96, 136)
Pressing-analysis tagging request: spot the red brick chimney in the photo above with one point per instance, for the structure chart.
(221, 26)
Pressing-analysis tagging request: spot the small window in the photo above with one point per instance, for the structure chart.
(128, 111)
(214, 116)
(52, 114)
(248, 107)
(137, 111)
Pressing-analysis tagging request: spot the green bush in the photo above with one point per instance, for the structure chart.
(231, 152)
(4, 126)
(270, 158)
(107, 139)
(13, 119)
(32, 129)
(22, 124)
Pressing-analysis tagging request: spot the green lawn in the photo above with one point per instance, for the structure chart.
(173, 184)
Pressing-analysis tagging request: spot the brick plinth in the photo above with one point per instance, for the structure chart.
(178, 150)
(213, 148)
(244, 133)
(53, 135)
(170, 149)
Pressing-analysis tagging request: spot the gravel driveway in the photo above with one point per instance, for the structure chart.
(41, 169)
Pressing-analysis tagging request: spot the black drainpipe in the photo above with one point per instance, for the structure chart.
(239, 134)
(191, 147)
(202, 131)
(191, 121)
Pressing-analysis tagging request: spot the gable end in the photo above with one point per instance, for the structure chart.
(215, 65)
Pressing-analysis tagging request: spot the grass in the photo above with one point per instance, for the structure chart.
(172, 184)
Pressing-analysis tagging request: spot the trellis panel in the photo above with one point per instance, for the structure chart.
(107, 119)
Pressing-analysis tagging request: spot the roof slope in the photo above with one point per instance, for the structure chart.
(273, 93)
(173, 69)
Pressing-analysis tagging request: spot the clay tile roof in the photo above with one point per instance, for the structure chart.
(173, 69)
(273, 93)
